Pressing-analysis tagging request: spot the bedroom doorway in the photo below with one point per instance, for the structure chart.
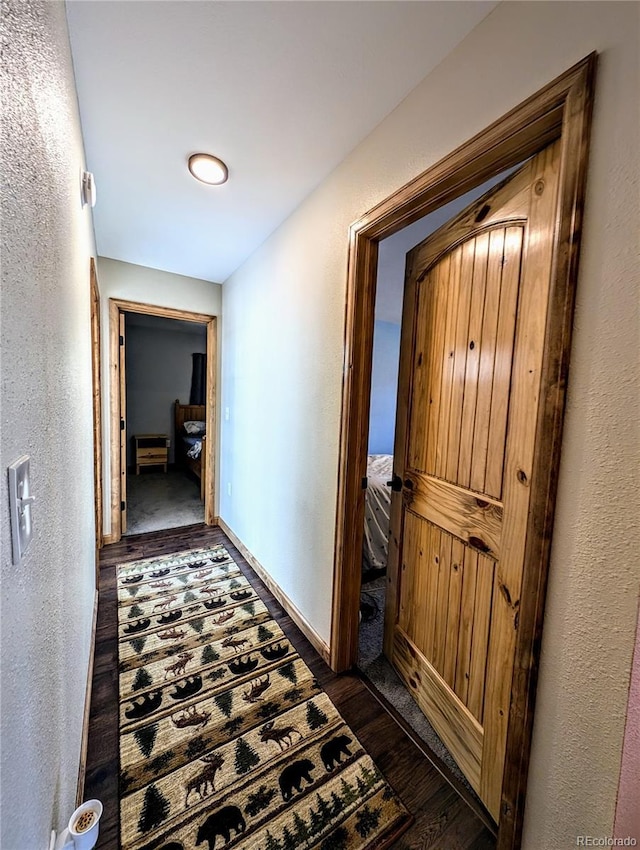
(163, 418)
(390, 287)
(165, 366)
(557, 117)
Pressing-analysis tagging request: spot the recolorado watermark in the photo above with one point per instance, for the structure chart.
(605, 841)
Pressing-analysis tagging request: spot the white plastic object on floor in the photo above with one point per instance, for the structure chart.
(65, 841)
(69, 839)
(86, 840)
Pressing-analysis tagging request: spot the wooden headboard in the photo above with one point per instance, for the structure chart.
(188, 413)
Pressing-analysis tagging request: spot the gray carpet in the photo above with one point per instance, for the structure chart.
(158, 500)
(376, 667)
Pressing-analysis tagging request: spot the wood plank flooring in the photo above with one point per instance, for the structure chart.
(443, 819)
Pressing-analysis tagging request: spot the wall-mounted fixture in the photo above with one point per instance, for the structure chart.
(208, 169)
(20, 502)
(88, 189)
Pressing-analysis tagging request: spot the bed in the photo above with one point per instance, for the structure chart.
(191, 447)
(376, 512)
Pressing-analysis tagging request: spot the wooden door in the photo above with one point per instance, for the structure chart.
(123, 429)
(473, 336)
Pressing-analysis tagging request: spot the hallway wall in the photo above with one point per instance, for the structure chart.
(384, 387)
(283, 366)
(628, 809)
(47, 600)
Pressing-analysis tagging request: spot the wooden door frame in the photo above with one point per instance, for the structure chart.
(561, 110)
(96, 383)
(116, 307)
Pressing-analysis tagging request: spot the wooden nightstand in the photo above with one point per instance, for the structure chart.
(151, 450)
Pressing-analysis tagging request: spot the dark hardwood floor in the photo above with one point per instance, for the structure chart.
(444, 820)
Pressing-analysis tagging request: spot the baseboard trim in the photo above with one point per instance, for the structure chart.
(321, 647)
(109, 538)
(82, 769)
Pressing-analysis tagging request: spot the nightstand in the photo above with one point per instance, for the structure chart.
(151, 450)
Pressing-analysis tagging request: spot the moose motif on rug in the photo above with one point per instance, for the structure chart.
(203, 783)
(179, 666)
(280, 735)
(167, 602)
(190, 716)
(235, 643)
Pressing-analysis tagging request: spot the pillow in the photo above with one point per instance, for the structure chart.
(195, 427)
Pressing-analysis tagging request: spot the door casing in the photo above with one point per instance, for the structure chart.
(96, 383)
(561, 110)
(116, 308)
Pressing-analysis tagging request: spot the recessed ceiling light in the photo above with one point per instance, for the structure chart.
(208, 169)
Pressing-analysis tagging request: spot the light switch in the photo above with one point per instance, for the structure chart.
(20, 502)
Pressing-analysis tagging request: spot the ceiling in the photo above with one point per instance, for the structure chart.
(281, 91)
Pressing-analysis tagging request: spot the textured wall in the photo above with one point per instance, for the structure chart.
(159, 367)
(129, 282)
(283, 343)
(628, 810)
(384, 387)
(47, 601)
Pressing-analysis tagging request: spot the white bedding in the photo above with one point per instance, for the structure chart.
(376, 511)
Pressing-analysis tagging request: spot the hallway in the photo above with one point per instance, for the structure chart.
(443, 819)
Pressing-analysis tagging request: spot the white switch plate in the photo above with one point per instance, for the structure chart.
(20, 501)
(226, 414)
(229, 489)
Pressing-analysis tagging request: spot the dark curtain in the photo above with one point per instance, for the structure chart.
(199, 379)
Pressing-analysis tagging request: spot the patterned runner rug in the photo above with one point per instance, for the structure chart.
(226, 739)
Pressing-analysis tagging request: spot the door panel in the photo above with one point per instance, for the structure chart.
(471, 354)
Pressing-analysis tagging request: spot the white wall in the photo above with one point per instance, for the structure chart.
(159, 368)
(128, 282)
(628, 808)
(282, 377)
(384, 387)
(47, 601)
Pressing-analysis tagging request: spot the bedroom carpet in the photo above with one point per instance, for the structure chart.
(224, 730)
(380, 672)
(159, 500)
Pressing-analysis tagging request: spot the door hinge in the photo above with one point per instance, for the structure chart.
(364, 483)
(122, 424)
(122, 505)
(121, 340)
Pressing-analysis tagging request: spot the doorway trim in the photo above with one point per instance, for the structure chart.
(562, 109)
(116, 307)
(96, 385)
